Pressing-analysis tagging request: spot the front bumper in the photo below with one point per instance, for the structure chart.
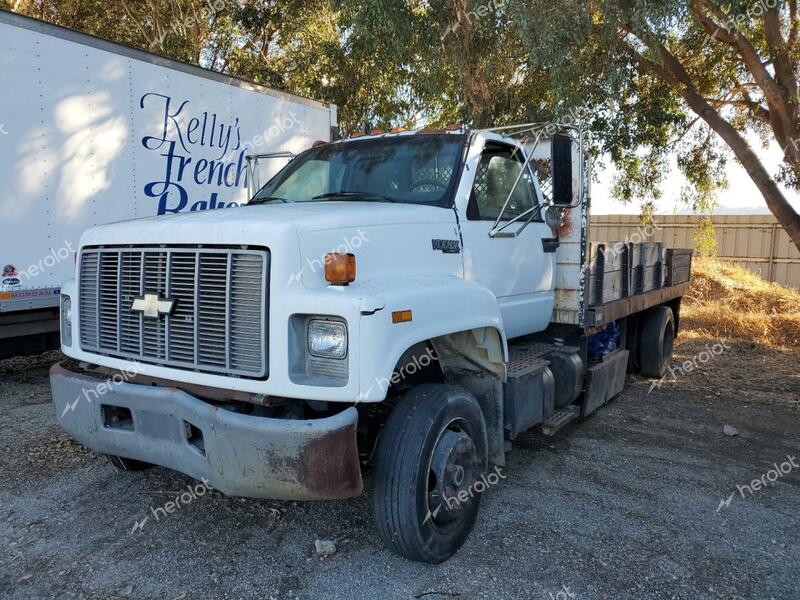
(240, 455)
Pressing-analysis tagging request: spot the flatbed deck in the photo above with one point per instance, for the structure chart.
(601, 315)
(628, 278)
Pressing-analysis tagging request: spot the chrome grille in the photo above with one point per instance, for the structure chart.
(218, 323)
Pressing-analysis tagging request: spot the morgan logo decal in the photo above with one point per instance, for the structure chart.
(152, 306)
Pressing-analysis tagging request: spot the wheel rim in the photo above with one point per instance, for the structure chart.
(454, 469)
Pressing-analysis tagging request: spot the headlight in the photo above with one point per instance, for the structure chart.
(327, 339)
(66, 321)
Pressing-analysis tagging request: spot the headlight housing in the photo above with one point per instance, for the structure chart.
(66, 321)
(327, 339)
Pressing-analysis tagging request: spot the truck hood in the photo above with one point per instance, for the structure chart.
(386, 238)
(239, 223)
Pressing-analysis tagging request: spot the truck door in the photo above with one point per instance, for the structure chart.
(514, 264)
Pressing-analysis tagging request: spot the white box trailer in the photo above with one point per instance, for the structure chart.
(93, 132)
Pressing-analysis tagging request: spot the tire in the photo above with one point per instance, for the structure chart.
(120, 463)
(656, 341)
(435, 438)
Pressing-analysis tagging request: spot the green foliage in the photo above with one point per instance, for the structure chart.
(482, 62)
(589, 50)
(496, 62)
(705, 239)
(647, 213)
(702, 161)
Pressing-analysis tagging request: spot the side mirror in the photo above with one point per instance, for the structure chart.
(561, 166)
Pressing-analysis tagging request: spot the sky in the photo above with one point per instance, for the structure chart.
(741, 196)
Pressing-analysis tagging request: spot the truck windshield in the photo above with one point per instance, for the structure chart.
(414, 169)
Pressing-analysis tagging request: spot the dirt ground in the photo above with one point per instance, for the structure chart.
(638, 501)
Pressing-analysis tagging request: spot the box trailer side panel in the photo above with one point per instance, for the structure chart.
(95, 132)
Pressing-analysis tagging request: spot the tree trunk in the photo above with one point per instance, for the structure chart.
(773, 196)
(672, 72)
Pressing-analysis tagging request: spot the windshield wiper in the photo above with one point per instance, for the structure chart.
(354, 196)
(265, 199)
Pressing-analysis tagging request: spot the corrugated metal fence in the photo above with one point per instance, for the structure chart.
(756, 241)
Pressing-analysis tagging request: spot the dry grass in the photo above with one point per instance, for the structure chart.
(727, 300)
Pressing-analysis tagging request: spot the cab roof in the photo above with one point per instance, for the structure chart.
(400, 132)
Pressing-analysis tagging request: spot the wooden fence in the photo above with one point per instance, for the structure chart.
(755, 241)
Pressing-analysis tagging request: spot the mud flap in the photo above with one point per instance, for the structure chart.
(604, 381)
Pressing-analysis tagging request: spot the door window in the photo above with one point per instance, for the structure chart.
(497, 171)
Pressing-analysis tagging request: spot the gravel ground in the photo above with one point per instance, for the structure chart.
(625, 504)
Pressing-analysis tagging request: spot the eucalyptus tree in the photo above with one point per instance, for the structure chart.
(456, 60)
(697, 79)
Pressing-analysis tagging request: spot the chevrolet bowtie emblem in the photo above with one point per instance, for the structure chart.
(151, 306)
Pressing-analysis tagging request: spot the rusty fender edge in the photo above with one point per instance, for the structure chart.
(237, 454)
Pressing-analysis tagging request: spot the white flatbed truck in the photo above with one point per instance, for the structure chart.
(401, 303)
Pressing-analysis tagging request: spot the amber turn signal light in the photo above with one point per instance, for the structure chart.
(340, 268)
(401, 316)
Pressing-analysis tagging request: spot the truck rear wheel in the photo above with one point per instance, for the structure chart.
(656, 341)
(127, 464)
(431, 454)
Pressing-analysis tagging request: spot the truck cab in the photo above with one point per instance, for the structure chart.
(402, 303)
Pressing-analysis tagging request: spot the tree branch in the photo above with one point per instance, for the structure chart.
(671, 71)
(758, 111)
(145, 33)
(685, 131)
(784, 69)
(739, 43)
(781, 111)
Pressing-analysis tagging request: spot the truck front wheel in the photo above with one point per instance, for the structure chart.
(657, 338)
(430, 460)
